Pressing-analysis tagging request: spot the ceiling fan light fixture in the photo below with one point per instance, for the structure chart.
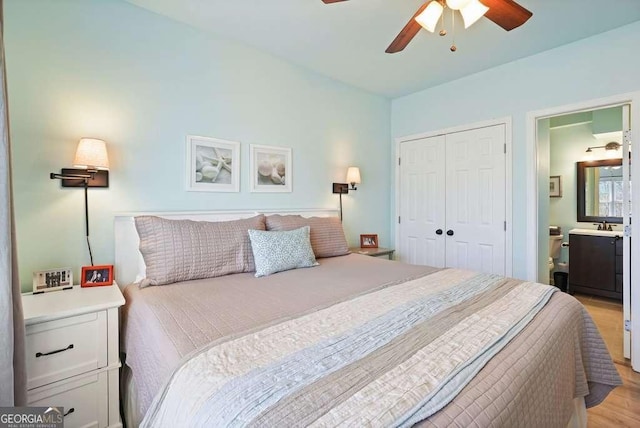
(458, 4)
(429, 17)
(472, 11)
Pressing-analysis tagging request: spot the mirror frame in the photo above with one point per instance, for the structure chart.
(581, 196)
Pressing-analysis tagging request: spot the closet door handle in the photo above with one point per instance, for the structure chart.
(450, 232)
(439, 232)
(71, 410)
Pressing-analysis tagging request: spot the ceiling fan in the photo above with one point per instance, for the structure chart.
(506, 13)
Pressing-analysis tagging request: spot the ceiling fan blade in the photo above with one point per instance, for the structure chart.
(506, 13)
(332, 1)
(408, 32)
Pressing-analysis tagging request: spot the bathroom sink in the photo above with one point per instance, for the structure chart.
(595, 232)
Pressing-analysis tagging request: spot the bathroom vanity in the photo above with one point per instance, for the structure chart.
(595, 262)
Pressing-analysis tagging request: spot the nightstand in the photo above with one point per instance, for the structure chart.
(72, 353)
(374, 252)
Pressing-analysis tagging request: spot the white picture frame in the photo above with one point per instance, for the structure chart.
(276, 159)
(205, 172)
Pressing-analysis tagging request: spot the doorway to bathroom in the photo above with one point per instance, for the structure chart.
(582, 187)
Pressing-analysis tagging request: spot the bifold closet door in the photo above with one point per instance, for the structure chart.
(453, 200)
(476, 199)
(422, 206)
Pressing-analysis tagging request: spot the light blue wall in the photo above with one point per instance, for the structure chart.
(591, 68)
(142, 82)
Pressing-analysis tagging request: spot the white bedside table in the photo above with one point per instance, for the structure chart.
(72, 353)
(374, 252)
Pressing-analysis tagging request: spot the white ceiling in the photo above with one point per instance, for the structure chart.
(346, 41)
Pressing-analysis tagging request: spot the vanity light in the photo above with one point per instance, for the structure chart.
(589, 155)
(611, 150)
(92, 170)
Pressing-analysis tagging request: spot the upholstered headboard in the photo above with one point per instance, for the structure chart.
(129, 263)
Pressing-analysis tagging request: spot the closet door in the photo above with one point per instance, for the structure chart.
(422, 206)
(475, 200)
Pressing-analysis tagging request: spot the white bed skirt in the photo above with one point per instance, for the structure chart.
(579, 416)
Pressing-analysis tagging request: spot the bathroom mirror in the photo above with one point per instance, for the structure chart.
(600, 191)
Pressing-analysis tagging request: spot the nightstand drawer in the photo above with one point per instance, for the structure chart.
(84, 399)
(66, 347)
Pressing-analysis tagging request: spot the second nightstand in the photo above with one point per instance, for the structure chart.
(72, 353)
(373, 252)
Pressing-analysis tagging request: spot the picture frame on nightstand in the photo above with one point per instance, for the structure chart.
(52, 280)
(96, 276)
(368, 241)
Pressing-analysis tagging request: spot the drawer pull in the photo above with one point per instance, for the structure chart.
(40, 354)
(71, 410)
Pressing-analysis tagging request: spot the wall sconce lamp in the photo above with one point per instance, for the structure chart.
(611, 150)
(353, 177)
(91, 170)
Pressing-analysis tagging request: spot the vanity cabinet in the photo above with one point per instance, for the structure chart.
(595, 265)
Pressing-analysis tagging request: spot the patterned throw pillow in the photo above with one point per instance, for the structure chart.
(327, 235)
(279, 251)
(182, 250)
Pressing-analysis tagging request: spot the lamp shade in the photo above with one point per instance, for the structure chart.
(588, 155)
(612, 150)
(457, 4)
(472, 11)
(91, 153)
(353, 175)
(428, 19)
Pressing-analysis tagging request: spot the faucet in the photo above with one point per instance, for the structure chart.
(604, 226)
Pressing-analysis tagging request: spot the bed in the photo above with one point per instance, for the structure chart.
(179, 338)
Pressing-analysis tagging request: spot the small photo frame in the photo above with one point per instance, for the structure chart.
(270, 169)
(555, 186)
(52, 280)
(95, 276)
(368, 241)
(213, 165)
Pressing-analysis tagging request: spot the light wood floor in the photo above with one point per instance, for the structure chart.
(622, 406)
(607, 315)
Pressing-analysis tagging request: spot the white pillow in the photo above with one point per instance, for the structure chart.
(279, 251)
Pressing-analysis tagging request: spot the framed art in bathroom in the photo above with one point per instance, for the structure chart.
(555, 186)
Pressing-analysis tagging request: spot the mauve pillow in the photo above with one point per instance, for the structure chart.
(327, 235)
(182, 250)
